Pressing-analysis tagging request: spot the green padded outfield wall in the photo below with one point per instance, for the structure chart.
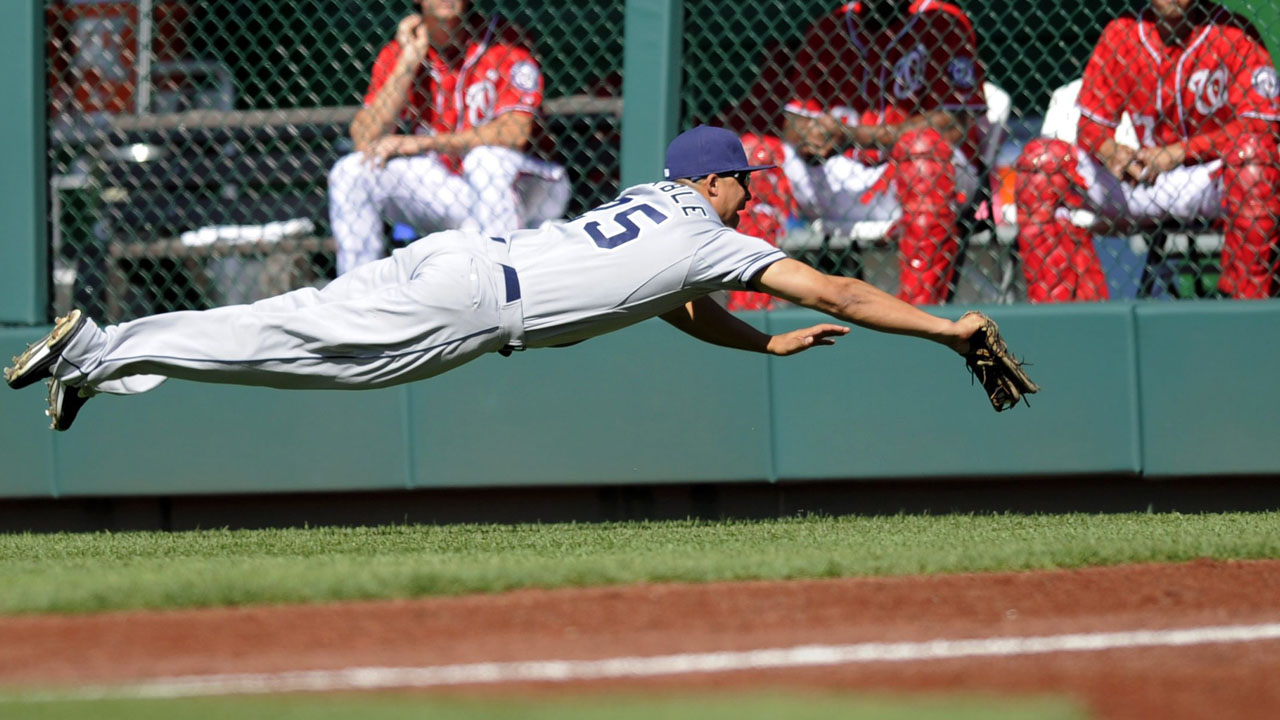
(23, 249)
(1158, 389)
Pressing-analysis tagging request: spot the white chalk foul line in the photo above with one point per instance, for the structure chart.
(372, 678)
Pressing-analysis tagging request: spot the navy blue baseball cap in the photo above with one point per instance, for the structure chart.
(705, 150)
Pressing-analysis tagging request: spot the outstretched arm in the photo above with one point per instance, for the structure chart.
(511, 130)
(706, 320)
(863, 304)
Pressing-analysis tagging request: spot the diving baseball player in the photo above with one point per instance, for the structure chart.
(657, 250)
(1202, 92)
(468, 90)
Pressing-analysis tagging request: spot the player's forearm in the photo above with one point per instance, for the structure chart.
(852, 300)
(379, 117)
(865, 305)
(952, 127)
(869, 136)
(1097, 139)
(707, 321)
(1210, 146)
(510, 130)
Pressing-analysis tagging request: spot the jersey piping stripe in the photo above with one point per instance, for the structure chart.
(459, 91)
(514, 108)
(1095, 118)
(752, 271)
(1155, 58)
(1260, 115)
(851, 12)
(254, 361)
(1177, 78)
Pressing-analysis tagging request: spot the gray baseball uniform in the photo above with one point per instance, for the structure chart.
(440, 302)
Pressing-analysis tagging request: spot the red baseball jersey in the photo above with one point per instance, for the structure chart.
(1222, 73)
(499, 75)
(922, 61)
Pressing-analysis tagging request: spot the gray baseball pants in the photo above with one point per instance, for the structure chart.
(429, 307)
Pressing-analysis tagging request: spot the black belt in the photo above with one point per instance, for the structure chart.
(511, 281)
(509, 275)
(513, 294)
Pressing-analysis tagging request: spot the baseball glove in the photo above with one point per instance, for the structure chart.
(996, 368)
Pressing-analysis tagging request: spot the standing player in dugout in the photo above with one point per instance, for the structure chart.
(1201, 90)
(659, 250)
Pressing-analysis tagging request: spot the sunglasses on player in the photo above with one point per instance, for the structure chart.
(742, 176)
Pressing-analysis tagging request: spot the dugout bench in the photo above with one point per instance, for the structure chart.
(172, 196)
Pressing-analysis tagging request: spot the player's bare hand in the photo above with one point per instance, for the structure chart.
(961, 330)
(386, 147)
(832, 131)
(1121, 162)
(413, 38)
(805, 338)
(1157, 160)
(812, 138)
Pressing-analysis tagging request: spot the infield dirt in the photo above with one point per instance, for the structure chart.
(1210, 680)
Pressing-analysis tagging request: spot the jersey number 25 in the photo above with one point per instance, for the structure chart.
(630, 231)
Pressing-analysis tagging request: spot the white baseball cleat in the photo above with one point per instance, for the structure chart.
(36, 362)
(64, 404)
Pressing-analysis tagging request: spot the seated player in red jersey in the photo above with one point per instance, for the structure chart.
(1201, 90)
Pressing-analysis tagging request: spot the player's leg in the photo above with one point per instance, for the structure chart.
(923, 176)
(419, 190)
(806, 179)
(355, 212)
(833, 190)
(491, 172)
(66, 400)
(1251, 202)
(443, 312)
(543, 191)
(1183, 193)
(1058, 258)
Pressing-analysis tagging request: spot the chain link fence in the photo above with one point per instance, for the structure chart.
(192, 143)
(771, 70)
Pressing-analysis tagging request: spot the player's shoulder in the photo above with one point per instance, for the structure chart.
(1124, 25)
(389, 52)
(1233, 26)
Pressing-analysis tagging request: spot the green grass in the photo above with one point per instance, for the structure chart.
(682, 707)
(104, 571)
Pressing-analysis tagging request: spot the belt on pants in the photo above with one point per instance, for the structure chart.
(512, 282)
(511, 287)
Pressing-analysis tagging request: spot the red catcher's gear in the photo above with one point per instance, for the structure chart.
(924, 178)
(1249, 179)
(765, 216)
(1058, 257)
